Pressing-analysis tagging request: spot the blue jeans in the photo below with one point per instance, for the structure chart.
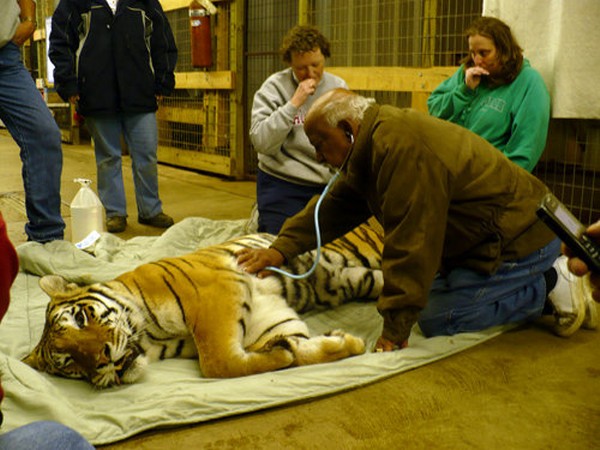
(279, 199)
(30, 123)
(43, 436)
(464, 300)
(141, 135)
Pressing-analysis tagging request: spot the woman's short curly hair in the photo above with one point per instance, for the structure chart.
(303, 38)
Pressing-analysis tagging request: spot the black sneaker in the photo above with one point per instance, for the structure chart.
(116, 224)
(159, 221)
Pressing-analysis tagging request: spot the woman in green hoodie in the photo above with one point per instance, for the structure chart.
(497, 94)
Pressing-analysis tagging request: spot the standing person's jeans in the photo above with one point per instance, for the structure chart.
(29, 121)
(141, 135)
(464, 300)
(43, 435)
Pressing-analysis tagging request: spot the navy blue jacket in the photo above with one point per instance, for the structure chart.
(115, 63)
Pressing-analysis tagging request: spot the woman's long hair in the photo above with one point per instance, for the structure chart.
(510, 54)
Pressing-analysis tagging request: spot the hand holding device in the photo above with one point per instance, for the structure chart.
(572, 232)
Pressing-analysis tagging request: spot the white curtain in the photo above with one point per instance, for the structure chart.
(561, 38)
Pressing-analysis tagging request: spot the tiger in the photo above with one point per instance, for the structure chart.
(204, 305)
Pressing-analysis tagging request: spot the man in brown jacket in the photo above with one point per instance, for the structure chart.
(463, 248)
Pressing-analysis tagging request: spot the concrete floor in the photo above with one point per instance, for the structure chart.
(526, 389)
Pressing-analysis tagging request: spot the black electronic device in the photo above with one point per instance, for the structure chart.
(572, 232)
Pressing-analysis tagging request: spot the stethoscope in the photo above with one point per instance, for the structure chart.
(317, 229)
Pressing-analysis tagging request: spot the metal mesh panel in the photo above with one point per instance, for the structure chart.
(417, 33)
(362, 33)
(571, 164)
(267, 22)
(180, 24)
(196, 124)
(368, 33)
(411, 33)
(452, 18)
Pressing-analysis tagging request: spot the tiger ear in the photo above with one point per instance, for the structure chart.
(35, 360)
(57, 286)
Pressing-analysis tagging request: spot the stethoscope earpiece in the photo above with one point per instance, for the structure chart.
(350, 137)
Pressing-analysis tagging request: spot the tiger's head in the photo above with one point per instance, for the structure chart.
(87, 335)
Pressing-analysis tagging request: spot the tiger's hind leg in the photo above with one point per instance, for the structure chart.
(326, 348)
(230, 359)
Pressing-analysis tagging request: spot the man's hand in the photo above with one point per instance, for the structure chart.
(255, 260)
(384, 345)
(580, 268)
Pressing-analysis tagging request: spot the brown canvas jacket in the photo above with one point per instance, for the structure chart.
(444, 196)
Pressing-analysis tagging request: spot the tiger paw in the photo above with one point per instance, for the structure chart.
(280, 349)
(352, 344)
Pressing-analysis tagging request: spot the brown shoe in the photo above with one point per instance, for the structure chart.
(116, 224)
(159, 221)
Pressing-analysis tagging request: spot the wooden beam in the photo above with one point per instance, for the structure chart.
(193, 116)
(224, 79)
(429, 32)
(213, 163)
(238, 145)
(303, 17)
(39, 34)
(171, 5)
(393, 79)
(418, 101)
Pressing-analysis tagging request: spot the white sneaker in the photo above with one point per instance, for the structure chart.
(590, 321)
(567, 300)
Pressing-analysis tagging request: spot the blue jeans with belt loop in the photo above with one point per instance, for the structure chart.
(467, 301)
(141, 135)
(30, 123)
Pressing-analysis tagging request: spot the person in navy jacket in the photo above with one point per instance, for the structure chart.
(113, 59)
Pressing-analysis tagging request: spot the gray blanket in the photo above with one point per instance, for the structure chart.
(172, 392)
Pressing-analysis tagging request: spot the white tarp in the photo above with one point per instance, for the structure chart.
(172, 392)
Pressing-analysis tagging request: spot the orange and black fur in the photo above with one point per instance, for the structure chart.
(202, 304)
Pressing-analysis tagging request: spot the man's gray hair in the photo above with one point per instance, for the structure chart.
(340, 104)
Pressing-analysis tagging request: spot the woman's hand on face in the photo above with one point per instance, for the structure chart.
(255, 260)
(473, 76)
(305, 89)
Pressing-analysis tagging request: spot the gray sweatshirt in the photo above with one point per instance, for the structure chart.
(9, 20)
(277, 129)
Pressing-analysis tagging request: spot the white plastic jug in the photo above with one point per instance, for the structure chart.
(87, 215)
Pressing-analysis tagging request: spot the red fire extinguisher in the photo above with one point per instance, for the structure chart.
(201, 41)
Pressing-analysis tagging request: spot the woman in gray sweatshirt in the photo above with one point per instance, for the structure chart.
(288, 172)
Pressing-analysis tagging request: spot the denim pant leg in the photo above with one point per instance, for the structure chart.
(279, 199)
(29, 121)
(44, 435)
(106, 132)
(141, 135)
(465, 300)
